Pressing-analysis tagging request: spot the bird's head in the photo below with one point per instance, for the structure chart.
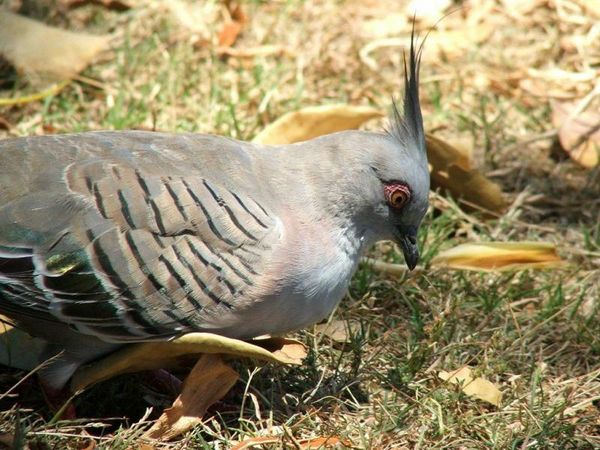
(387, 176)
(405, 179)
(374, 183)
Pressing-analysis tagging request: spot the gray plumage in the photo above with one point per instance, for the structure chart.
(110, 238)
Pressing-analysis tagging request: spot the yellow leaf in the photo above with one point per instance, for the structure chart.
(451, 170)
(46, 50)
(154, 355)
(208, 382)
(497, 256)
(314, 121)
(475, 387)
(578, 132)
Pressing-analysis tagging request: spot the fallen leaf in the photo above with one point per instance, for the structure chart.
(451, 170)
(208, 382)
(314, 121)
(45, 50)
(229, 34)
(231, 30)
(144, 446)
(498, 256)
(17, 348)
(475, 387)
(578, 132)
(157, 355)
(338, 330)
(323, 442)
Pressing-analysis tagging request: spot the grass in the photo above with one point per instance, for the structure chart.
(532, 333)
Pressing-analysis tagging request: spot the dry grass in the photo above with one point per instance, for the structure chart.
(534, 334)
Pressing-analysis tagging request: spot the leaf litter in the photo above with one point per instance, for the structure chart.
(576, 44)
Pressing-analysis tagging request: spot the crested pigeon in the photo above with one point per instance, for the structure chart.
(116, 237)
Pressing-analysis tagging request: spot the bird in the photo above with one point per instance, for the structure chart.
(111, 238)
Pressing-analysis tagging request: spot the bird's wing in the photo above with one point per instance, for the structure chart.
(125, 254)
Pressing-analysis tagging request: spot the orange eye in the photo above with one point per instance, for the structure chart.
(397, 194)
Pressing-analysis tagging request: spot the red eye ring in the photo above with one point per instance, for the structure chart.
(396, 194)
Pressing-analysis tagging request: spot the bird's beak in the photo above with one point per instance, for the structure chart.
(408, 243)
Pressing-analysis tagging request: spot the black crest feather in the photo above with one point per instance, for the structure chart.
(407, 127)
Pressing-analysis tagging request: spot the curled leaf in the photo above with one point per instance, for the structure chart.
(208, 382)
(154, 355)
(475, 387)
(451, 170)
(497, 256)
(314, 121)
(578, 132)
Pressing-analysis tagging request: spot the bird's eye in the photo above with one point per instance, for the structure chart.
(397, 194)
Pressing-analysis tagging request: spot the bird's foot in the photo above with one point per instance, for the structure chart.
(59, 400)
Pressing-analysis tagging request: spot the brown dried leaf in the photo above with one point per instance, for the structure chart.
(314, 121)
(155, 355)
(208, 382)
(498, 256)
(338, 330)
(229, 34)
(231, 30)
(578, 133)
(45, 50)
(451, 170)
(475, 387)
